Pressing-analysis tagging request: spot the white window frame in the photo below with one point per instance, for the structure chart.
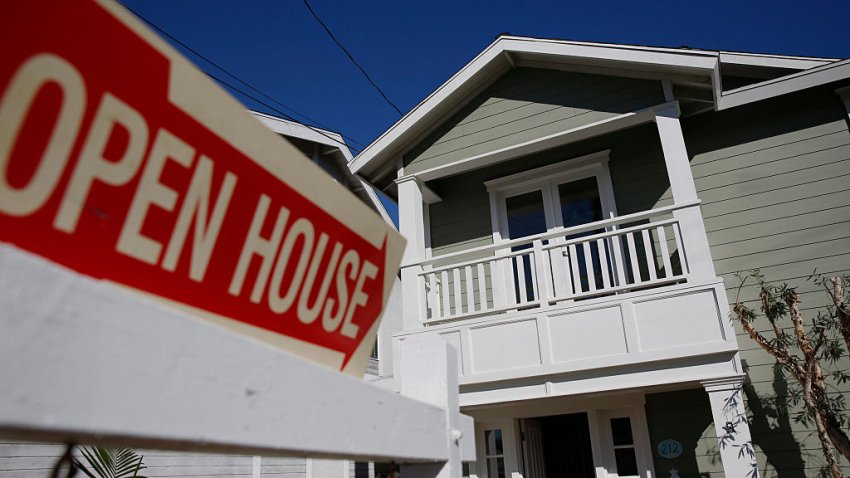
(546, 179)
(640, 439)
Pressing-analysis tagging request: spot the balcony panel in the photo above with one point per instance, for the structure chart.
(670, 324)
(587, 334)
(660, 325)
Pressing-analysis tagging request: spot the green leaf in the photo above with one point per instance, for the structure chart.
(103, 462)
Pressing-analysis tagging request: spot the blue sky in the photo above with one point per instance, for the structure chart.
(411, 47)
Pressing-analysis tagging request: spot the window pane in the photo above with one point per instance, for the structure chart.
(580, 202)
(621, 430)
(626, 461)
(496, 467)
(493, 442)
(525, 214)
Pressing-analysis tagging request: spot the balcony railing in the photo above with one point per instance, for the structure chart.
(613, 256)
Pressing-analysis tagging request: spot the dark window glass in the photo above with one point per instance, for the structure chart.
(621, 430)
(525, 214)
(496, 467)
(493, 442)
(626, 461)
(580, 202)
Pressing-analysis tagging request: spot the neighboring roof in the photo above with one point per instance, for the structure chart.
(821, 75)
(686, 65)
(336, 149)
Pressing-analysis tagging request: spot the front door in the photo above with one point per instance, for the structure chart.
(533, 459)
(557, 446)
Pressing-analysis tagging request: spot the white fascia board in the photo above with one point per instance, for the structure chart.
(662, 57)
(505, 47)
(773, 61)
(298, 130)
(822, 75)
(376, 201)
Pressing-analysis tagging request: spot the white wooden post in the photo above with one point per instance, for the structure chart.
(429, 372)
(86, 361)
(697, 252)
(412, 226)
(732, 427)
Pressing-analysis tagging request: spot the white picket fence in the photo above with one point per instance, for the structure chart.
(601, 258)
(83, 361)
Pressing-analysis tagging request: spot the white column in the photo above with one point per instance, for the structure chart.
(428, 372)
(732, 427)
(412, 226)
(694, 238)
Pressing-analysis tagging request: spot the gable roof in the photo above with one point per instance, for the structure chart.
(335, 149)
(693, 67)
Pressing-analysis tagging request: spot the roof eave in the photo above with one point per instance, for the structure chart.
(499, 57)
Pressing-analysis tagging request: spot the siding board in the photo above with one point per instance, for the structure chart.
(526, 104)
(773, 178)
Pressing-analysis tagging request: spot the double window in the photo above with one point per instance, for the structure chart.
(570, 193)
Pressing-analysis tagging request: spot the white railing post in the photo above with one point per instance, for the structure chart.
(412, 226)
(429, 373)
(697, 254)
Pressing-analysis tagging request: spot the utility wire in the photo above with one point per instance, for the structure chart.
(286, 116)
(252, 88)
(369, 78)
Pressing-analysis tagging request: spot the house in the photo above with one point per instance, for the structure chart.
(575, 215)
(328, 150)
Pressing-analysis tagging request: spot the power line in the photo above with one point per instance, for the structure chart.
(246, 84)
(350, 57)
(286, 116)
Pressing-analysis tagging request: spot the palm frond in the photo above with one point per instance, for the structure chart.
(103, 462)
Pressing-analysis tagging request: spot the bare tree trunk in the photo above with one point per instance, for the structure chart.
(810, 374)
(826, 447)
(841, 310)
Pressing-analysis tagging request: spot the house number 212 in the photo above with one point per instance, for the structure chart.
(669, 448)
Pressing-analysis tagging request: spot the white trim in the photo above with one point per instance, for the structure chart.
(640, 438)
(256, 467)
(821, 75)
(547, 179)
(300, 131)
(370, 190)
(773, 61)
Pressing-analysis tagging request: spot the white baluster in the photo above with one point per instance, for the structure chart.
(470, 289)
(458, 295)
(482, 287)
(647, 251)
(588, 266)
(665, 252)
(630, 240)
(603, 262)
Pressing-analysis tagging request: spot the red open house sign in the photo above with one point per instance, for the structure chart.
(120, 160)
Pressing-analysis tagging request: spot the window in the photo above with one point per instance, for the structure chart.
(625, 455)
(494, 453)
(570, 193)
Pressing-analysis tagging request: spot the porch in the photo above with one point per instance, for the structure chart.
(562, 294)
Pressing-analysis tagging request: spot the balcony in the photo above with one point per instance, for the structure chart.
(612, 293)
(615, 256)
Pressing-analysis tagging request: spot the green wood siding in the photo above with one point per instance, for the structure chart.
(684, 416)
(527, 104)
(774, 178)
(462, 219)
